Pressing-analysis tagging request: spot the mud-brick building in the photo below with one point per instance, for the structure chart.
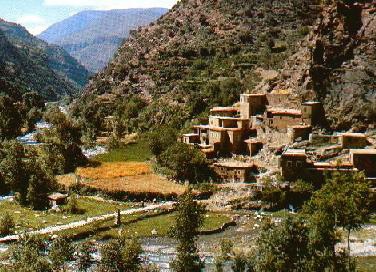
(364, 160)
(191, 138)
(353, 140)
(299, 131)
(252, 104)
(280, 119)
(293, 164)
(235, 172)
(253, 146)
(312, 113)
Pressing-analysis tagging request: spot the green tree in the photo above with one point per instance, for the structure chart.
(61, 251)
(10, 118)
(189, 219)
(6, 225)
(283, 248)
(121, 255)
(160, 139)
(72, 206)
(40, 185)
(185, 163)
(12, 169)
(343, 201)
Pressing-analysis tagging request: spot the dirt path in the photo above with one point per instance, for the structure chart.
(53, 229)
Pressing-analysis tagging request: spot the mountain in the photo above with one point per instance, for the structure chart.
(93, 37)
(336, 64)
(28, 63)
(204, 53)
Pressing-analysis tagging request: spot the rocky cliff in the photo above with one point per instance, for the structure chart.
(336, 64)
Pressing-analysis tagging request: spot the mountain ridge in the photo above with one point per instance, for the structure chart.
(93, 37)
(32, 64)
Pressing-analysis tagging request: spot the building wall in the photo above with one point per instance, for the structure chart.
(349, 142)
(295, 133)
(229, 123)
(235, 175)
(254, 148)
(312, 114)
(214, 121)
(293, 167)
(365, 162)
(281, 122)
(251, 105)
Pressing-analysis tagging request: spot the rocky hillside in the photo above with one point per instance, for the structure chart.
(336, 64)
(200, 54)
(93, 37)
(28, 63)
(204, 53)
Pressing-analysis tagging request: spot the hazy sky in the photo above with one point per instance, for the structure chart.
(37, 15)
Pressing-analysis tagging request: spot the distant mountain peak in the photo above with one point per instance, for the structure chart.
(93, 36)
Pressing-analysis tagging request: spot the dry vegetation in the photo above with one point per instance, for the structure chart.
(114, 170)
(124, 176)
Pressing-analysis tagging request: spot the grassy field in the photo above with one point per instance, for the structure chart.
(27, 219)
(161, 223)
(366, 264)
(133, 177)
(135, 152)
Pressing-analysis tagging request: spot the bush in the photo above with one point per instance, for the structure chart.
(72, 206)
(184, 163)
(6, 225)
(121, 255)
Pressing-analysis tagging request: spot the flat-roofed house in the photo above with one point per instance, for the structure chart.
(293, 164)
(280, 119)
(299, 131)
(191, 138)
(353, 140)
(364, 160)
(312, 112)
(252, 104)
(235, 172)
(253, 146)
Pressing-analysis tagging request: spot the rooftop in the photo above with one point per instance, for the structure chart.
(224, 129)
(311, 103)
(254, 95)
(295, 153)
(224, 109)
(300, 127)
(191, 135)
(363, 151)
(57, 196)
(354, 135)
(234, 164)
(253, 141)
(278, 111)
(229, 118)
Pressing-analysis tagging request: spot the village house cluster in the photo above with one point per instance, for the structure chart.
(259, 121)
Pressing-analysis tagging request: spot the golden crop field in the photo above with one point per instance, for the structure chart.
(123, 176)
(114, 170)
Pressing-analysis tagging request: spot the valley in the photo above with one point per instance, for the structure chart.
(211, 135)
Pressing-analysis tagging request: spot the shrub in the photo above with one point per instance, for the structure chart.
(6, 225)
(184, 163)
(72, 206)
